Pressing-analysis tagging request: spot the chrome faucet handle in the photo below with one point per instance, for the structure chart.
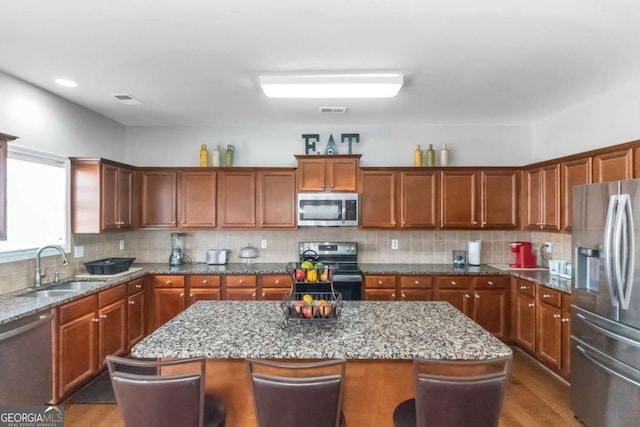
(56, 277)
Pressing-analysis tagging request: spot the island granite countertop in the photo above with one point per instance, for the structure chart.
(365, 330)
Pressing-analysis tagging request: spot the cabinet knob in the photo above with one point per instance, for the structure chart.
(565, 320)
(95, 320)
(132, 302)
(264, 294)
(191, 295)
(546, 296)
(417, 282)
(183, 222)
(474, 222)
(333, 186)
(484, 222)
(138, 286)
(181, 294)
(467, 296)
(240, 282)
(205, 281)
(277, 281)
(103, 316)
(379, 282)
(556, 316)
(168, 282)
(490, 283)
(531, 305)
(453, 283)
(524, 287)
(322, 185)
(393, 295)
(477, 296)
(253, 295)
(403, 296)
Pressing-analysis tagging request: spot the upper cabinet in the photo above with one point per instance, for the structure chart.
(4, 139)
(541, 197)
(378, 198)
(418, 192)
(328, 173)
(158, 198)
(613, 166)
(102, 196)
(574, 172)
(276, 198)
(481, 199)
(196, 199)
(237, 199)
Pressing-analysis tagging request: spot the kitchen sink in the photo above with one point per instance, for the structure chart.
(76, 286)
(55, 293)
(63, 289)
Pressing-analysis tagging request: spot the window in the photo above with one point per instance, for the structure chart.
(36, 203)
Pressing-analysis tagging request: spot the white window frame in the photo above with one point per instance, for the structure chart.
(22, 153)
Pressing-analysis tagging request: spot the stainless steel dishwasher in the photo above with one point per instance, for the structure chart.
(26, 360)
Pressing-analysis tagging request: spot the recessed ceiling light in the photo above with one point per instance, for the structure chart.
(66, 82)
(332, 86)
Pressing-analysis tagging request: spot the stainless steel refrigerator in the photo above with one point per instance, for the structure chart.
(605, 298)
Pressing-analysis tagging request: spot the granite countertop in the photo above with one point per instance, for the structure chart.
(22, 303)
(365, 330)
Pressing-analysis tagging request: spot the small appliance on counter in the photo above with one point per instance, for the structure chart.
(473, 252)
(177, 244)
(459, 258)
(217, 256)
(248, 253)
(524, 256)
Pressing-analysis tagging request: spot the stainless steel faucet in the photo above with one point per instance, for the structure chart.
(39, 276)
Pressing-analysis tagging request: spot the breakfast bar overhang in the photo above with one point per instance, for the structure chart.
(378, 339)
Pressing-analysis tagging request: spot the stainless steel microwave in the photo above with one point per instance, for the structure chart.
(327, 209)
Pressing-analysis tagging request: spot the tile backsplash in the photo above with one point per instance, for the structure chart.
(422, 247)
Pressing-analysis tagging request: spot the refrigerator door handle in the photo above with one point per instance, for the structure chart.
(609, 333)
(627, 231)
(608, 257)
(606, 368)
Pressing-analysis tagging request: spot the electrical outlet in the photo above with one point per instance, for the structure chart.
(78, 251)
(263, 244)
(122, 245)
(394, 244)
(549, 247)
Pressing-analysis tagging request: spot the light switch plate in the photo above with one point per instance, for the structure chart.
(78, 251)
(122, 245)
(263, 244)
(394, 244)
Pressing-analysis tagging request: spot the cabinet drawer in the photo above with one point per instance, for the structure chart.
(240, 281)
(550, 296)
(416, 281)
(204, 281)
(135, 286)
(112, 295)
(75, 309)
(491, 282)
(527, 288)
(380, 282)
(276, 281)
(453, 282)
(168, 281)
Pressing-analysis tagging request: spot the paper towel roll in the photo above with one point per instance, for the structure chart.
(473, 252)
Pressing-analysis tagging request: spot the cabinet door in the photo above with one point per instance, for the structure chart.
(416, 294)
(379, 294)
(237, 199)
(342, 174)
(551, 197)
(197, 201)
(459, 298)
(575, 172)
(109, 190)
(525, 328)
(158, 199)
(458, 195)
(242, 294)
(532, 198)
(491, 311)
(77, 352)
(419, 199)
(167, 304)
(277, 199)
(378, 199)
(549, 335)
(124, 198)
(112, 330)
(273, 294)
(311, 174)
(499, 198)
(136, 309)
(614, 166)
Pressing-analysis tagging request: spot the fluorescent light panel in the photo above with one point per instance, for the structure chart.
(66, 82)
(332, 86)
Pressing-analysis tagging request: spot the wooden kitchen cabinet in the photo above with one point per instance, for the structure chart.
(378, 198)
(88, 330)
(276, 198)
(274, 286)
(613, 166)
(102, 195)
(328, 173)
(524, 330)
(237, 199)
(203, 288)
(168, 299)
(491, 304)
(549, 327)
(419, 199)
(479, 199)
(455, 290)
(380, 288)
(541, 197)
(241, 287)
(565, 357)
(416, 288)
(137, 307)
(197, 199)
(158, 198)
(574, 172)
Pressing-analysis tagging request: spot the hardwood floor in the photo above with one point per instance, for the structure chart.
(534, 397)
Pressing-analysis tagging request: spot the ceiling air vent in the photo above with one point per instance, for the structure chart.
(333, 110)
(126, 98)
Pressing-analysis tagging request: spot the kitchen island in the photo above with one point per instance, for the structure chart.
(378, 339)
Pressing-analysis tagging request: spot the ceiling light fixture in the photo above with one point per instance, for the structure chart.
(66, 82)
(332, 86)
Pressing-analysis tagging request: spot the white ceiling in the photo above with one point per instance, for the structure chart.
(197, 62)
